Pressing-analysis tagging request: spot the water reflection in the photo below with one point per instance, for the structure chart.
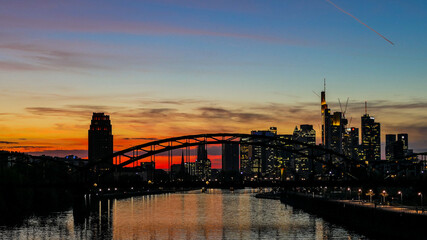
(217, 214)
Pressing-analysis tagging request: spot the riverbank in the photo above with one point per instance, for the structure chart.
(374, 221)
(269, 195)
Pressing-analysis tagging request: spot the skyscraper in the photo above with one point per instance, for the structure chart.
(203, 164)
(371, 138)
(303, 165)
(262, 159)
(404, 138)
(326, 120)
(333, 129)
(351, 143)
(230, 157)
(396, 149)
(337, 127)
(390, 140)
(100, 139)
(245, 163)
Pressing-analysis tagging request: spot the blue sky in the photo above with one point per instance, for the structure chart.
(62, 60)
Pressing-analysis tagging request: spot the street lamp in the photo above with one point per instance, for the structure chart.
(349, 189)
(370, 194)
(384, 194)
(401, 197)
(359, 193)
(421, 197)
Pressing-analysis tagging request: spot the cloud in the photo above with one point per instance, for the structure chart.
(52, 57)
(19, 66)
(108, 25)
(57, 111)
(27, 147)
(7, 142)
(141, 138)
(176, 119)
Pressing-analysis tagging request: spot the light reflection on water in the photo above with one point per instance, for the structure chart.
(217, 214)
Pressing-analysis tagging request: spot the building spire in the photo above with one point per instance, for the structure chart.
(324, 84)
(366, 107)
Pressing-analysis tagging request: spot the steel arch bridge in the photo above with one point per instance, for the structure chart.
(133, 154)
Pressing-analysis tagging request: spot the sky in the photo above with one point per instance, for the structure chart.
(166, 68)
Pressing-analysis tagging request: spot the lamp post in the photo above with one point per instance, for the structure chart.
(349, 190)
(401, 197)
(370, 194)
(421, 198)
(384, 195)
(359, 193)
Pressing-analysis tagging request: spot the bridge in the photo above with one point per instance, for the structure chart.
(336, 161)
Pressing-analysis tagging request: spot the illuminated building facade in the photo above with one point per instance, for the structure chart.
(351, 143)
(284, 158)
(203, 164)
(262, 159)
(245, 164)
(371, 139)
(337, 127)
(100, 139)
(304, 167)
(403, 137)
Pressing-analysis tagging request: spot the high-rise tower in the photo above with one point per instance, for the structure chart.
(390, 141)
(303, 165)
(100, 139)
(326, 119)
(230, 157)
(371, 138)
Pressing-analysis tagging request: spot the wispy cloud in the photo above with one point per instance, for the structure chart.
(72, 24)
(7, 142)
(53, 57)
(19, 66)
(141, 138)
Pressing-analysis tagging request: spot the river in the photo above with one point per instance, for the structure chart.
(216, 214)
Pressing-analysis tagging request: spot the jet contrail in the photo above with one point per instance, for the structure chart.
(342, 10)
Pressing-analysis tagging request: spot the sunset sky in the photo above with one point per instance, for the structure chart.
(167, 68)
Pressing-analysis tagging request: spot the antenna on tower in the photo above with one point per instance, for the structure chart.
(366, 107)
(324, 84)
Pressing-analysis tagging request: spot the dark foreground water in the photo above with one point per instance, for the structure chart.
(216, 214)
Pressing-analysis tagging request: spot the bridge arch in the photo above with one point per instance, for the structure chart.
(133, 154)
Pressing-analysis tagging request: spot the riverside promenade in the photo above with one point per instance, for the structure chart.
(374, 220)
(384, 207)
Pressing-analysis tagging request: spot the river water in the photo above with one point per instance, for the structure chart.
(216, 214)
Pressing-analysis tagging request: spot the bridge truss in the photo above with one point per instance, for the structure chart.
(129, 156)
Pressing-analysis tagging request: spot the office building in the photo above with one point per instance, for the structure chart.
(371, 138)
(230, 157)
(397, 148)
(390, 140)
(100, 140)
(203, 164)
(262, 159)
(303, 165)
(351, 143)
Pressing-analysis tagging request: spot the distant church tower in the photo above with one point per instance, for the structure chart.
(100, 138)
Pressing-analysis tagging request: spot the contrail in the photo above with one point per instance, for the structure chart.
(342, 10)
